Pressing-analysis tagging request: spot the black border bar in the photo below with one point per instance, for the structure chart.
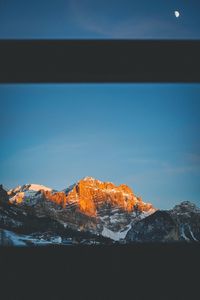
(75, 61)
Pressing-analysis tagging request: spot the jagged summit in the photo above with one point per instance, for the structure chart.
(186, 206)
(92, 179)
(89, 178)
(26, 193)
(92, 193)
(89, 194)
(29, 187)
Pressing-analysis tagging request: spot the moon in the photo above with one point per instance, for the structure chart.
(177, 14)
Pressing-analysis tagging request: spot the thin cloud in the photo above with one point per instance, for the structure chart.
(135, 27)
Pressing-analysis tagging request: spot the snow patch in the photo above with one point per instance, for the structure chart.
(192, 234)
(14, 238)
(28, 197)
(115, 235)
(38, 187)
(88, 178)
(183, 234)
(20, 239)
(146, 214)
(104, 218)
(114, 218)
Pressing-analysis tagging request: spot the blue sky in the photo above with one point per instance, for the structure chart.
(143, 135)
(65, 19)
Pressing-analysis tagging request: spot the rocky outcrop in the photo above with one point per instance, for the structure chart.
(4, 199)
(90, 195)
(182, 223)
(187, 217)
(160, 226)
(99, 207)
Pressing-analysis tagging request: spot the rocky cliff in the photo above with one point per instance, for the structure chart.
(182, 223)
(90, 195)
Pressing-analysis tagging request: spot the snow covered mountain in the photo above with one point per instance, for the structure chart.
(27, 191)
(90, 205)
(29, 187)
(90, 211)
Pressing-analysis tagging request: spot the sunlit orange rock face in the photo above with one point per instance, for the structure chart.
(59, 198)
(18, 198)
(90, 194)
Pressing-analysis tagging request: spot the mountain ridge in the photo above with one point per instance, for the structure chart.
(89, 192)
(97, 209)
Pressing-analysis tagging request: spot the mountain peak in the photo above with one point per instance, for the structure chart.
(37, 187)
(89, 178)
(29, 187)
(88, 195)
(186, 206)
(91, 194)
(27, 191)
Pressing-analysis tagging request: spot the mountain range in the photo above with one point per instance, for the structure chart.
(90, 212)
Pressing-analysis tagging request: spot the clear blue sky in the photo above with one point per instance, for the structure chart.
(143, 135)
(99, 19)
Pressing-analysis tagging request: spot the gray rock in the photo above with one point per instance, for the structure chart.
(182, 223)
